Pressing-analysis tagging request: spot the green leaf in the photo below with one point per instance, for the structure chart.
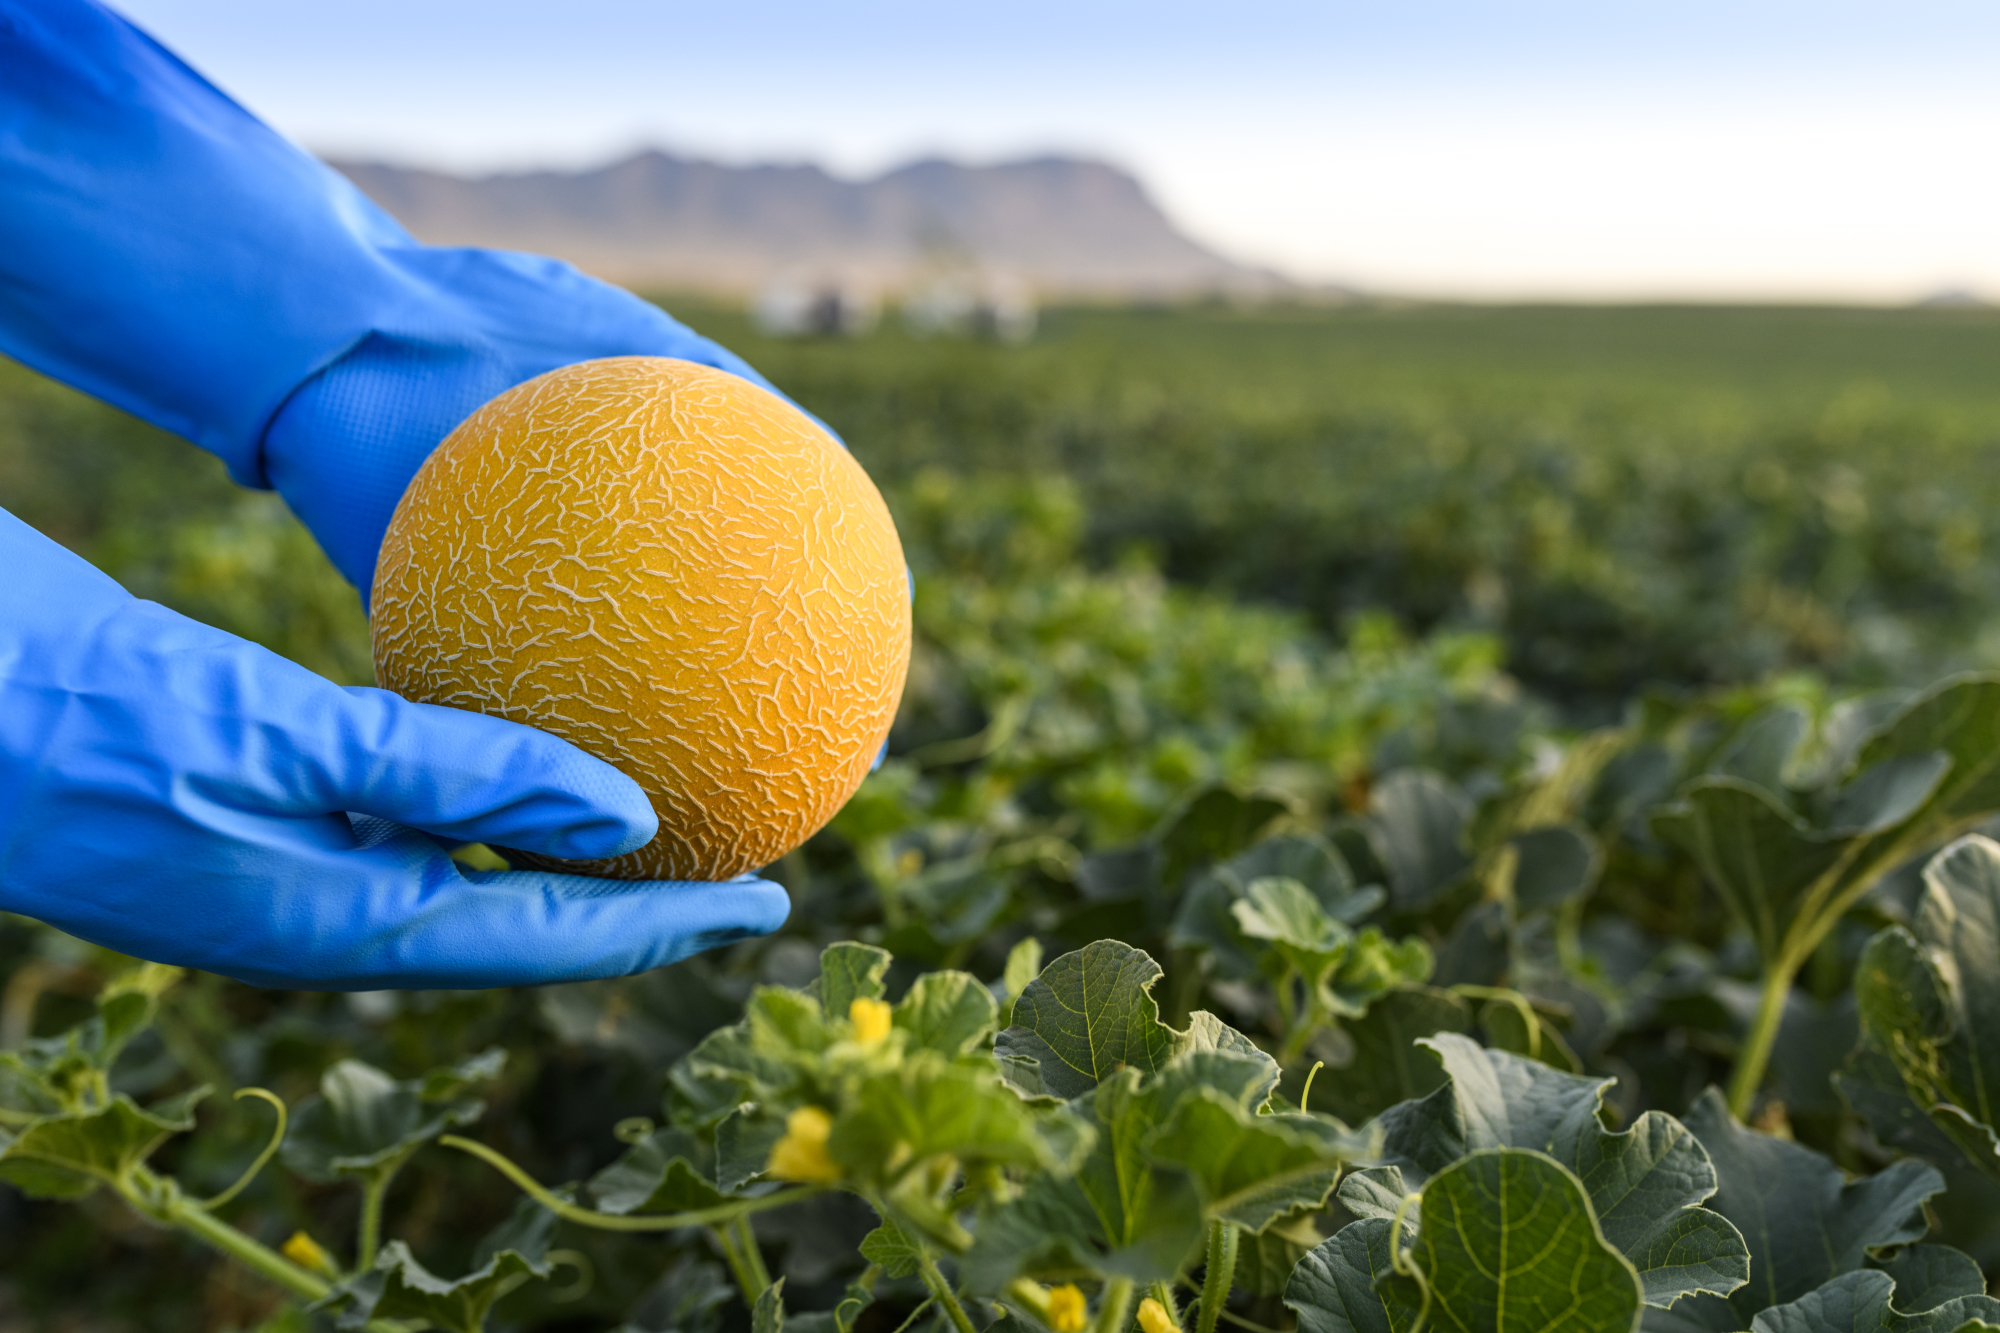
(65, 1073)
(1089, 1015)
(948, 1012)
(1556, 865)
(126, 1006)
(1349, 1285)
(1346, 973)
(1024, 964)
(1123, 1211)
(1313, 862)
(1214, 824)
(68, 1156)
(362, 1121)
(1023, 1076)
(1506, 1241)
(1886, 793)
(657, 1175)
(1120, 874)
(1927, 1276)
(1373, 966)
(1387, 1067)
(928, 1107)
(1931, 770)
(1479, 951)
(849, 972)
(399, 1287)
(1377, 1191)
(687, 1299)
(1646, 1183)
(1930, 999)
(1265, 1259)
(1961, 720)
(743, 1142)
(768, 1314)
(857, 1299)
(1284, 913)
(1804, 1221)
(1204, 918)
(1255, 1169)
(1759, 856)
(1120, 1214)
(1873, 1088)
(1761, 750)
(449, 1082)
(788, 1026)
(890, 1250)
(1122, 1177)
(1417, 822)
(1521, 1030)
(725, 1069)
(1866, 1302)
(1208, 1034)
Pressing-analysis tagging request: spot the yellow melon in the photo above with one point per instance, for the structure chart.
(675, 570)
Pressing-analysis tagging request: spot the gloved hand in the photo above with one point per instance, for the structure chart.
(171, 791)
(162, 249)
(174, 792)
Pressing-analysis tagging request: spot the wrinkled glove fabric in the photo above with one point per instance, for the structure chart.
(164, 250)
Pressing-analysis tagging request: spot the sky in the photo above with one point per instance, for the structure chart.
(1761, 149)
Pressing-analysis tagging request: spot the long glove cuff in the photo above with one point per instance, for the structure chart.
(165, 251)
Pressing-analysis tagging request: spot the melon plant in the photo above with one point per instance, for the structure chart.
(1196, 975)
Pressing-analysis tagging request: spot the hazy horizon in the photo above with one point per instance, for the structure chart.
(1451, 150)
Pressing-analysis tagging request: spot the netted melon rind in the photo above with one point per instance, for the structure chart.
(675, 570)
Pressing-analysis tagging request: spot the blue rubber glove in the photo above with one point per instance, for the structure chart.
(164, 250)
(174, 792)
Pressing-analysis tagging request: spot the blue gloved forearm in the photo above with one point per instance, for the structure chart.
(173, 792)
(162, 249)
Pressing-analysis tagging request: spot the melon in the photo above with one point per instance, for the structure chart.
(675, 570)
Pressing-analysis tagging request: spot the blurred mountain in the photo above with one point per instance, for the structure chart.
(1064, 226)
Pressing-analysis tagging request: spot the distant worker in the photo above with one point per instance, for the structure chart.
(174, 792)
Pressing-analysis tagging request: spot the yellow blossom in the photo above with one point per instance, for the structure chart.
(1153, 1317)
(801, 1155)
(307, 1253)
(1066, 1309)
(870, 1019)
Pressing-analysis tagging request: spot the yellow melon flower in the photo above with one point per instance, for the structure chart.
(1153, 1317)
(307, 1253)
(870, 1019)
(801, 1155)
(1067, 1311)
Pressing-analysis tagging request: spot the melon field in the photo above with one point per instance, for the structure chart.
(1457, 819)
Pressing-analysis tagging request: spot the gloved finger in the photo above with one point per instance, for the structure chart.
(468, 777)
(228, 733)
(430, 923)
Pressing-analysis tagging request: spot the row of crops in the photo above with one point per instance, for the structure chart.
(1196, 961)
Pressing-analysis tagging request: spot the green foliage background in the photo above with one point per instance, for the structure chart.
(1358, 562)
